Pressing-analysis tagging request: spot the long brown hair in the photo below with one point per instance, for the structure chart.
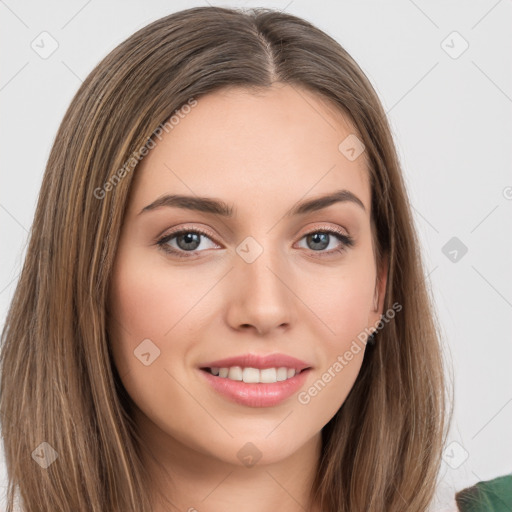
(382, 449)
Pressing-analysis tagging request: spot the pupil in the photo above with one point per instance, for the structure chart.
(320, 238)
(190, 238)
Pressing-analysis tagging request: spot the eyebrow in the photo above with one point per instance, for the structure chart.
(220, 208)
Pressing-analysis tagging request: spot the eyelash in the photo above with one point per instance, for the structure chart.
(347, 241)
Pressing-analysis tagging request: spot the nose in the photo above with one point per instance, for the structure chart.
(261, 297)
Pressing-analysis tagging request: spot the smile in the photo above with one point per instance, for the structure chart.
(255, 393)
(254, 375)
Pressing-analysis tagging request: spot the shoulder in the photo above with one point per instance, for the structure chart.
(487, 496)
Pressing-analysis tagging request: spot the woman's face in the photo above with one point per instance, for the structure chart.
(272, 279)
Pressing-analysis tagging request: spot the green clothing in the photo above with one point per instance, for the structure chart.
(488, 496)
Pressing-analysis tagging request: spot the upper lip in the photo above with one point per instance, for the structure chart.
(259, 361)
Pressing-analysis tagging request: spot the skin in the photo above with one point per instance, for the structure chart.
(261, 153)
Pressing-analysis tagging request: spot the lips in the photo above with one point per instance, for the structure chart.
(256, 394)
(259, 361)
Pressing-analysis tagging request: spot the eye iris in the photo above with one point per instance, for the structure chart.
(324, 242)
(190, 238)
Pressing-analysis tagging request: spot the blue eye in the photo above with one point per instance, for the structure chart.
(188, 241)
(321, 240)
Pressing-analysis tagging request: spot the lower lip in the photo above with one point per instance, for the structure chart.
(256, 395)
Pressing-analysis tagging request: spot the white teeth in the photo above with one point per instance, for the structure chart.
(235, 373)
(268, 375)
(251, 375)
(255, 375)
(282, 373)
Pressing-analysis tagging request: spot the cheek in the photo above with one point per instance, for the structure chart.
(344, 309)
(325, 393)
(154, 313)
(343, 301)
(142, 306)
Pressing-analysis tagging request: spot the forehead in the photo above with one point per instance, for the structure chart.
(269, 146)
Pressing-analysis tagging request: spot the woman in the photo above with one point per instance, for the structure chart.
(223, 302)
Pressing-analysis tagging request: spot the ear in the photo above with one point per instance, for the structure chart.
(380, 286)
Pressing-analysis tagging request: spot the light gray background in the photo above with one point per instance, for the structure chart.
(451, 119)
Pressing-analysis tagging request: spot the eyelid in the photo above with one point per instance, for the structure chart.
(209, 234)
(326, 227)
(186, 227)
